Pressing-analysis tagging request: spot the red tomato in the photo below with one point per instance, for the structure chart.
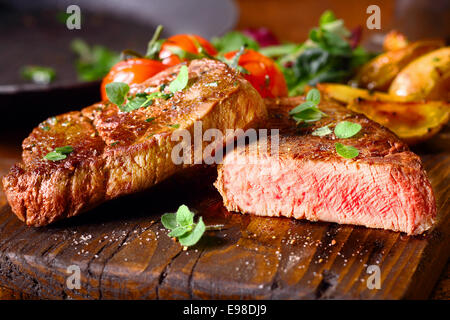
(186, 42)
(264, 74)
(131, 71)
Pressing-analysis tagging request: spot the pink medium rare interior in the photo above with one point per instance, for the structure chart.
(373, 195)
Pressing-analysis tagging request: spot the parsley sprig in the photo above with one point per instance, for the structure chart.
(308, 111)
(182, 226)
(117, 92)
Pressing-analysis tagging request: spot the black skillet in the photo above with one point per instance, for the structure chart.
(34, 33)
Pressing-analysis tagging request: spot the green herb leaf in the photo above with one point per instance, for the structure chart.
(93, 63)
(180, 81)
(191, 238)
(184, 216)
(346, 129)
(64, 150)
(313, 96)
(154, 45)
(301, 107)
(169, 220)
(176, 126)
(232, 41)
(308, 110)
(344, 151)
(183, 227)
(150, 119)
(326, 17)
(55, 156)
(321, 132)
(182, 54)
(235, 61)
(117, 92)
(325, 57)
(308, 115)
(38, 74)
(179, 231)
(136, 103)
(59, 153)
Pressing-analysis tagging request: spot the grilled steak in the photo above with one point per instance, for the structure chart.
(117, 153)
(384, 187)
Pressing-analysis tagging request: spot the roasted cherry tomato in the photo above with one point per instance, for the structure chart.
(131, 71)
(186, 42)
(263, 73)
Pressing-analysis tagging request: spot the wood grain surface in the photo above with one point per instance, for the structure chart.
(123, 251)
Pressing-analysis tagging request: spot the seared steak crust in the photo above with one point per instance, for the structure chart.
(384, 187)
(118, 153)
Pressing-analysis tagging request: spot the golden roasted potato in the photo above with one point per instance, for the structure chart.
(378, 73)
(412, 122)
(394, 40)
(427, 77)
(347, 94)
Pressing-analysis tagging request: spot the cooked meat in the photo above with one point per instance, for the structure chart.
(117, 153)
(384, 187)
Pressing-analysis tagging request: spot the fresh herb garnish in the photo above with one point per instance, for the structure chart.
(346, 129)
(345, 151)
(138, 101)
(232, 41)
(59, 153)
(154, 45)
(183, 54)
(234, 64)
(183, 227)
(45, 128)
(150, 119)
(116, 92)
(93, 63)
(180, 81)
(326, 56)
(308, 111)
(321, 132)
(176, 126)
(38, 74)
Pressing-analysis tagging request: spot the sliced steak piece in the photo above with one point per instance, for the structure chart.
(384, 187)
(117, 153)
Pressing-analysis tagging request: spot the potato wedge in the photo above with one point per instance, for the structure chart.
(378, 73)
(347, 94)
(427, 77)
(412, 122)
(394, 40)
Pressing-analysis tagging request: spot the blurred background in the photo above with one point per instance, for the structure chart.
(35, 33)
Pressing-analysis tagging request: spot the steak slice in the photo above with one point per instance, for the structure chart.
(117, 153)
(384, 187)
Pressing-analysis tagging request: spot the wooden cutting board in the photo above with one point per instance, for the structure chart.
(123, 252)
